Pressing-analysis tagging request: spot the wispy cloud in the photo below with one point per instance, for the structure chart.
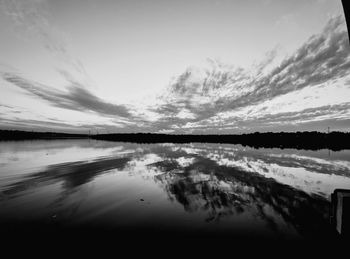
(197, 98)
(325, 57)
(327, 112)
(31, 19)
(49, 124)
(76, 98)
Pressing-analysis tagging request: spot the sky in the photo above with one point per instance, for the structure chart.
(185, 66)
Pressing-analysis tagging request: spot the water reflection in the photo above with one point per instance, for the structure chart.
(222, 189)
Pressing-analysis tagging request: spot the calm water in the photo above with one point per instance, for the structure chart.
(189, 188)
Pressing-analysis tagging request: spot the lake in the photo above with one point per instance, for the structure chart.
(220, 190)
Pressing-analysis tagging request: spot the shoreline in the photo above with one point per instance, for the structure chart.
(297, 140)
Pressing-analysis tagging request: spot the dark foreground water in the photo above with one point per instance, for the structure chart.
(206, 190)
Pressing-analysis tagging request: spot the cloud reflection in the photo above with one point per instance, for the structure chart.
(216, 184)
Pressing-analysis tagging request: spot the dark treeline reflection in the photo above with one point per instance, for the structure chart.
(191, 189)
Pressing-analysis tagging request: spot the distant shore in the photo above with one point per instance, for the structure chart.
(31, 135)
(298, 140)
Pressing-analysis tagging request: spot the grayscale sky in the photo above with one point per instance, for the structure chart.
(184, 66)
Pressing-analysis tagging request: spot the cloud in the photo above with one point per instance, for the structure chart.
(336, 116)
(323, 58)
(195, 99)
(28, 124)
(49, 124)
(6, 106)
(77, 98)
(31, 18)
(340, 112)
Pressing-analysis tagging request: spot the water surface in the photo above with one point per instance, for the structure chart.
(211, 189)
